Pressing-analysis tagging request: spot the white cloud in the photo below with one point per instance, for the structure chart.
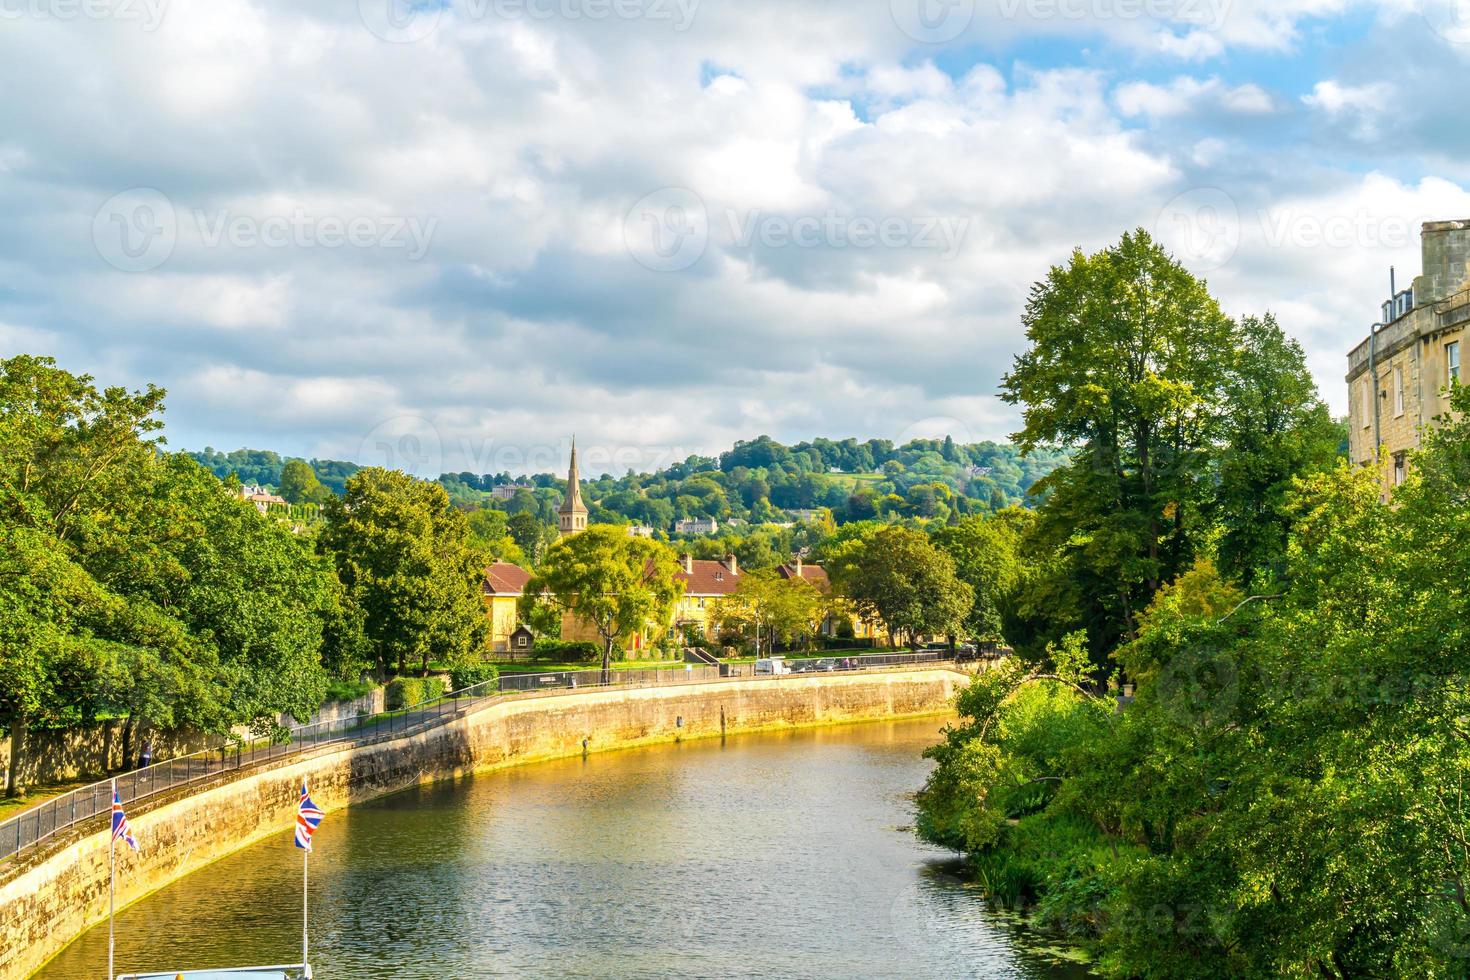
(527, 142)
(1186, 95)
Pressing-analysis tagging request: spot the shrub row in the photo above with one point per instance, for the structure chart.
(567, 651)
(469, 675)
(405, 692)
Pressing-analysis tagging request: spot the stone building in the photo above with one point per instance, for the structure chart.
(1398, 378)
(502, 590)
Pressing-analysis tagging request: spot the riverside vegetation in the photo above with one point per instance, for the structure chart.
(1285, 794)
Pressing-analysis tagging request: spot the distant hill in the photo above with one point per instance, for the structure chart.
(758, 481)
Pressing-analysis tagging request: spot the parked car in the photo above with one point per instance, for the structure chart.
(825, 664)
(774, 666)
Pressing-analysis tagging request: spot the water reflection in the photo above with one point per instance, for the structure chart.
(765, 856)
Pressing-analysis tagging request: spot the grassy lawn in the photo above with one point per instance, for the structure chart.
(10, 806)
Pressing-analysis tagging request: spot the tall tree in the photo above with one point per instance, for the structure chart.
(406, 562)
(617, 584)
(1127, 366)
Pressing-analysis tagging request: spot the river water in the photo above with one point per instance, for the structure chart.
(783, 855)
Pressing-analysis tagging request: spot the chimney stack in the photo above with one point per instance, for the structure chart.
(731, 564)
(798, 565)
(687, 560)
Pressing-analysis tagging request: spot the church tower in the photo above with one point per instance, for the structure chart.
(572, 517)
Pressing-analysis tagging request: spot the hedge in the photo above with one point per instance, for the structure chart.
(567, 651)
(405, 692)
(468, 675)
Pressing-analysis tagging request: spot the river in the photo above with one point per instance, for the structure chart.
(780, 855)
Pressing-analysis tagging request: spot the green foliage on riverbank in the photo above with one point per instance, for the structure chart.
(1284, 796)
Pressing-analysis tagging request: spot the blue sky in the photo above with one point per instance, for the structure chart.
(448, 236)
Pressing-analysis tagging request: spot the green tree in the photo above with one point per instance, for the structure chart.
(406, 562)
(530, 534)
(901, 578)
(987, 553)
(617, 584)
(767, 606)
(1276, 430)
(299, 484)
(1127, 366)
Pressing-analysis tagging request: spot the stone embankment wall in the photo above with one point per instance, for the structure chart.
(49, 897)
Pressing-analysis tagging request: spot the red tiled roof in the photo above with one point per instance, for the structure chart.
(815, 574)
(708, 578)
(503, 578)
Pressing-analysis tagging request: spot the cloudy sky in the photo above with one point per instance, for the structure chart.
(449, 234)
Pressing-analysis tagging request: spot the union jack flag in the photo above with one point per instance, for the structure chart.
(308, 815)
(120, 829)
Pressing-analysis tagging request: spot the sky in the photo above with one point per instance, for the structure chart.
(447, 235)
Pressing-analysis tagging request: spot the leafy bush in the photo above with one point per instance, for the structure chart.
(405, 692)
(469, 675)
(567, 651)
(340, 690)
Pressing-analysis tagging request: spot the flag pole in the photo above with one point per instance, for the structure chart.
(111, 885)
(305, 862)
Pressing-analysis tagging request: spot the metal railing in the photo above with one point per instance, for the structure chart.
(39, 823)
(571, 680)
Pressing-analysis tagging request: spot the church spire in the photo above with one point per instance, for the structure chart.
(572, 517)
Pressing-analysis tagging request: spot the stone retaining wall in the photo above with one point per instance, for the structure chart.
(48, 898)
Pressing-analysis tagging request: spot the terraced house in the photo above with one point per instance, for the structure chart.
(1398, 378)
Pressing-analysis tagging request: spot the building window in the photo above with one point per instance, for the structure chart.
(521, 640)
(1400, 470)
(1367, 403)
(1452, 359)
(1398, 391)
